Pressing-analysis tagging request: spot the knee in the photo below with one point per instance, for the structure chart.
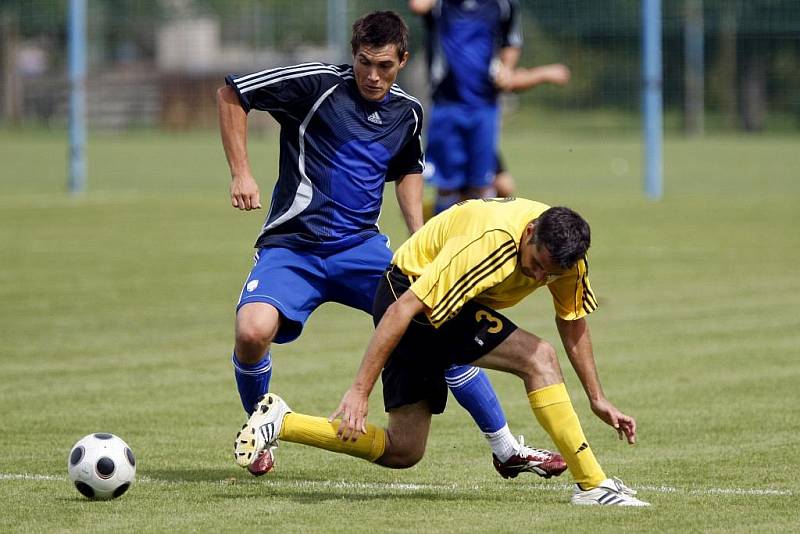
(542, 361)
(401, 453)
(411, 458)
(401, 459)
(447, 197)
(254, 333)
(250, 332)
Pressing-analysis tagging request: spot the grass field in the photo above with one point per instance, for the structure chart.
(116, 313)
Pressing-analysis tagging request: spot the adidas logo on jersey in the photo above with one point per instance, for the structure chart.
(375, 118)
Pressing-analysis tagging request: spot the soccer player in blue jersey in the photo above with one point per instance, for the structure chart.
(472, 45)
(345, 131)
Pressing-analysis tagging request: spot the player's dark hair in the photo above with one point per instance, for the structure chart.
(380, 28)
(564, 233)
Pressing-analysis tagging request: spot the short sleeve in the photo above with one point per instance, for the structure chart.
(411, 158)
(511, 31)
(463, 269)
(572, 293)
(291, 90)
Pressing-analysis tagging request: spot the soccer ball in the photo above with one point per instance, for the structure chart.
(101, 466)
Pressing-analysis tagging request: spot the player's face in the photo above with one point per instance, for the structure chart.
(376, 69)
(535, 261)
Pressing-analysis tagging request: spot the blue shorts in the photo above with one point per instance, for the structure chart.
(296, 282)
(461, 146)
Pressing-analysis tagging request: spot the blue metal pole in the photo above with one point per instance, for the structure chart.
(77, 95)
(652, 102)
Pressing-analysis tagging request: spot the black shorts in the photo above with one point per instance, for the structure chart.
(415, 369)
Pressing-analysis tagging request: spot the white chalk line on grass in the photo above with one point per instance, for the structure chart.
(408, 487)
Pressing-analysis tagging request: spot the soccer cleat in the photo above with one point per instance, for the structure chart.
(264, 462)
(261, 431)
(544, 463)
(610, 492)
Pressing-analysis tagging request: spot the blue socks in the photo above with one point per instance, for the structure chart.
(473, 391)
(252, 379)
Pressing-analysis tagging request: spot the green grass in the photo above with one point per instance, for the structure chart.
(116, 313)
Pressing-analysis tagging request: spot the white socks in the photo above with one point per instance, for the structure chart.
(503, 443)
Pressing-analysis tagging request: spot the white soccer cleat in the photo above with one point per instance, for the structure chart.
(261, 431)
(610, 492)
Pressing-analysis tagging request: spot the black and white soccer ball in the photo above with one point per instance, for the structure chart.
(101, 466)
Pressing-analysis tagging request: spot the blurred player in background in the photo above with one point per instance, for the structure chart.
(470, 45)
(345, 131)
(437, 305)
(520, 79)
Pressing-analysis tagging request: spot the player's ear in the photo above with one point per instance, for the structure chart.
(404, 59)
(529, 230)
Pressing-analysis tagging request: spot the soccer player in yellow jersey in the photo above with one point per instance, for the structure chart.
(437, 306)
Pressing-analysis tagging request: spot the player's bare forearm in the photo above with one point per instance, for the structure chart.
(408, 190)
(577, 340)
(528, 78)
(390, 329)
(233, 130)
(387, 335)
(578, 343)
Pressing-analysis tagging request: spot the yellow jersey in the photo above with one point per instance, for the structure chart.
(471, 251)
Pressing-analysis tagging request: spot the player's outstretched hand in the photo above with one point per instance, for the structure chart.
(353, 412)
(244, 193)
(625, 425)
(556, 73)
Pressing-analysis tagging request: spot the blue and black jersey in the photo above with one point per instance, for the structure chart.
(337, 150)
(464, 37)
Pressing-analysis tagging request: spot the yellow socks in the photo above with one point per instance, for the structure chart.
(318, 432)
(553, 410)
(551, 406)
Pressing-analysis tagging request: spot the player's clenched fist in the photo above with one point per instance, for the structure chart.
(244, 193)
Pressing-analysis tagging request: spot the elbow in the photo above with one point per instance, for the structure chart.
(226, 95)
(221, 92)
(420, 7)
(397, 312)
(406, 307)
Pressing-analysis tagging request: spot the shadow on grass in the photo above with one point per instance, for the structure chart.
(303, 488)
(186, 476)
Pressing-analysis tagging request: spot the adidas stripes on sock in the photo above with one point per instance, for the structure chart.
(473, 391)
(252, 380)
